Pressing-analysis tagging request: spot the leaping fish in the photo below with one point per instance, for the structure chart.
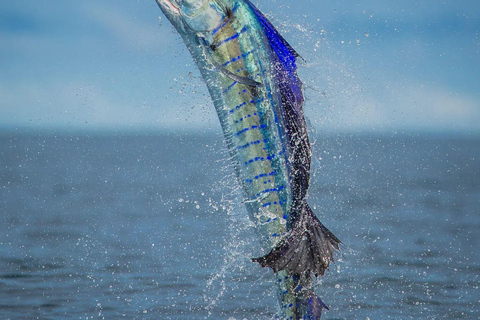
(250, 72)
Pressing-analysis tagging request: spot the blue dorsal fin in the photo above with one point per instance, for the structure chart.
(290, 110)
(285, 53)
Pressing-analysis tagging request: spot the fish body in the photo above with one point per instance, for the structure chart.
(250, 72)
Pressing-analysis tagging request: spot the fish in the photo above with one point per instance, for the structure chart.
(250, 71)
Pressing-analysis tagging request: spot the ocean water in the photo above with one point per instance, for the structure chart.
(150, 226)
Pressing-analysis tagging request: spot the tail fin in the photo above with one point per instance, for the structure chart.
(311, 308)
(308, 246)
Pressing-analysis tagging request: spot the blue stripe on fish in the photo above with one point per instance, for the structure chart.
(235, 36)
(245, 118)
(270, 190)
(237, 58)
(250, 144)
(273, 173)
(269, 204)
(258, 159)
(230, 87)
(244, 103)
(219, 27)
(251, 128)
(238, 107)
(265, 175)
(234, 8)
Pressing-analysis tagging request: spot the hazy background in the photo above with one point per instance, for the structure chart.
(381, 66)
(117, 199)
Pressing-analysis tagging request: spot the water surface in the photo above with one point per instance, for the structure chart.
(149, 226)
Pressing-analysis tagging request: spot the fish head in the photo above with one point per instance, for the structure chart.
(193, 16)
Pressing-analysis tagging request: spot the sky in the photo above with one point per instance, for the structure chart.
(374, 66)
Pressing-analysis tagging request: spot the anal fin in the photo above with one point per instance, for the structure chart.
(311, 307)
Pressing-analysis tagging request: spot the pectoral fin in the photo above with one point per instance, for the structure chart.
(235, 77)
(243, 80)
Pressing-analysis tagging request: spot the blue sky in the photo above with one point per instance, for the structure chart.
(382, 66)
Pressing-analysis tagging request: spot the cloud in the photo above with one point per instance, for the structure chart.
(129, 30)
(55, 103)
(409, 107)
(81, 24)
(342, 95)
(76, 104)
(434, 106)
